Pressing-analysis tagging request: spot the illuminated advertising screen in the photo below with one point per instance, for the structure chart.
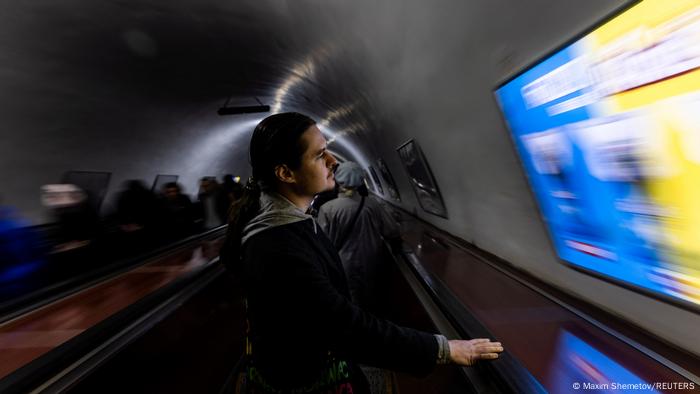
(608, 131)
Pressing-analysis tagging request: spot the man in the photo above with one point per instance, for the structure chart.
(212, 204)
(356, 228)
(178, 213)
(305, 335)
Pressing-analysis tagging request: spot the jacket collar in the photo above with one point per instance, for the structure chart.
(275, 210)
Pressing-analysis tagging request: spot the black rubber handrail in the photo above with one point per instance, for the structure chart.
(25, 304)
(44, 368)
(506, 373)
(135, 329)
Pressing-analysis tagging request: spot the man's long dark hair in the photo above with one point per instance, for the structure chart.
(276, 140)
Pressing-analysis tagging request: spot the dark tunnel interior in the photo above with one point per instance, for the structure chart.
(107, 106)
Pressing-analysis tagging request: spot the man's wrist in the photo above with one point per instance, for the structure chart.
(443, 356)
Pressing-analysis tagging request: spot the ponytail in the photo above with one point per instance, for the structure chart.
(241, 212)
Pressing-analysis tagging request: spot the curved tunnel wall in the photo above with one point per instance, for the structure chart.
(132, 88)
(443, 99)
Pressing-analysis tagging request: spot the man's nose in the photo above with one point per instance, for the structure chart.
(332, 162)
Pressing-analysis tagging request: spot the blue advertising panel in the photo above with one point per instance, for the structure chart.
(608, 131)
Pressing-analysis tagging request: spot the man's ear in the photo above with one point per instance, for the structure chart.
(284, 174)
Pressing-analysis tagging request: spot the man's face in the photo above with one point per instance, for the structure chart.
(315, 174)
(171, 193)
(206, 186)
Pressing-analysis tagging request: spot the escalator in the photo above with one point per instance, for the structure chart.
(194, 345)
(59, 342)
(187, 336)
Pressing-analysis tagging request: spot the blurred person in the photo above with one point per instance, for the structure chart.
(304, 333)
(212, 203)
(77, 221)
(177, 212)
(135, 207)
(232, 188)
(356, 223)
(137, 214)
(20, 250)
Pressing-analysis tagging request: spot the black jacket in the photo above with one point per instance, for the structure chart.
(299, 309)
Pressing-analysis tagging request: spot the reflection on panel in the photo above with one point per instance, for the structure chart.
(422, 179)
(608, 130)
(375, 178)
(389, 179)
(578, 365)
(369, 182)
(161, 180)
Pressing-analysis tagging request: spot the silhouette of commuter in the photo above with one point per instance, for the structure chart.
(137, 215)
(212, 203)
(177, 212)
(136, 207)
(77, 222)
(356, 224)
(233, 189)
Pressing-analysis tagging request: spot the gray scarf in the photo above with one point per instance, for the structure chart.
(275, 210)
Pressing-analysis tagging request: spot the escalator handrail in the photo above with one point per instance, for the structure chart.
(19, 306)
(511, 375)
(66, 355)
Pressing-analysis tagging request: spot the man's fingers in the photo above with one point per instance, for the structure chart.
(490, 349)
(488, 356)
(488, 345)
(482, 344)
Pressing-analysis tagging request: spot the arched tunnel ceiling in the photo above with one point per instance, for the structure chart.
(143, 79)
(132, 87)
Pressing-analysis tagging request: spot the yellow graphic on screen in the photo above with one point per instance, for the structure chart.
(646, 63)
(662, 84)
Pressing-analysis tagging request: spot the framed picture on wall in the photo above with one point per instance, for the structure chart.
(93, 183)
(422, 179)
(389, 179)
(161, 180)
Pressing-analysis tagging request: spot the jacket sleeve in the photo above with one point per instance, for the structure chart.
(346, 329)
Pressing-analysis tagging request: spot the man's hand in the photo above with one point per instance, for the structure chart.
(469, 352)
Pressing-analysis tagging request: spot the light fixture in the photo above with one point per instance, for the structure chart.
(247, 109)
